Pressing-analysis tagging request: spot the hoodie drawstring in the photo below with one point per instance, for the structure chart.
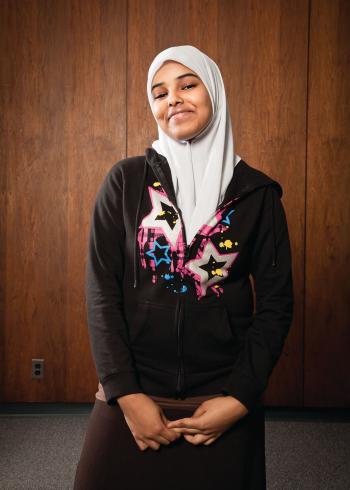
(136, 221)
(274, 251)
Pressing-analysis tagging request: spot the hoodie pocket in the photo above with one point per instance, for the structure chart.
(153, 335)
(209, 340)
(136, 317)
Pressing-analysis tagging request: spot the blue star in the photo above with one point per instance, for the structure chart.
(165, 248)
(227, 220)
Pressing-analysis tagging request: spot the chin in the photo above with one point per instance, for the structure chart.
(182, 136)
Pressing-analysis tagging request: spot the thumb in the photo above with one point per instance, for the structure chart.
(165, 420)
(164, 417)
(199, 411)
(187, 422)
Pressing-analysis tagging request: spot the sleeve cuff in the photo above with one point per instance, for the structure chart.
(120, 384)
(243, 392)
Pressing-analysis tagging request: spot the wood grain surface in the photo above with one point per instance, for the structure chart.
(73, 102)
(327, 310)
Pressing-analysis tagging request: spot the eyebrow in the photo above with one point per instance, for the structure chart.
(177, 78)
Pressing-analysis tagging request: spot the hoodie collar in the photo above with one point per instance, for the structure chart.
(243, 182)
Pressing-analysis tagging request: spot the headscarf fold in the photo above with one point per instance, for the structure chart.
(203, 167)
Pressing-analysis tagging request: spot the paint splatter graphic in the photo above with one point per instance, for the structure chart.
(162, 247)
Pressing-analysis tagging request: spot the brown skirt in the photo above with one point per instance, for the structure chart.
(111, 459)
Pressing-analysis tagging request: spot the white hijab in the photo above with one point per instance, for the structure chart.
(202, 168)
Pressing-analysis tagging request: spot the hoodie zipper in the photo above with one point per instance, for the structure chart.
(180, 372)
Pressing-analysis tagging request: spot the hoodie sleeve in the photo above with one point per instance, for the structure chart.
(103, 289)
(265, 337)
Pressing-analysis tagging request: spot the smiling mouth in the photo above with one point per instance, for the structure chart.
(180, 115)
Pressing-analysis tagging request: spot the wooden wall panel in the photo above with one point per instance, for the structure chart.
(141, 124)
(64, 120)
(262, 53)
(327, 319)
(97, 139)
(34, 139)
(5, 83)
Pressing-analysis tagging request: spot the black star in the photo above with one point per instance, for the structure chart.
(168, 214)
(213, 268)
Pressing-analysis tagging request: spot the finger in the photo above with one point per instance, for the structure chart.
(187, 430)
(209, 441)
(177, 423)
(196, 438)
(169, 434)
(203, 438)
(142, 445)
(188, 422)
(162, 440)
(153, 444)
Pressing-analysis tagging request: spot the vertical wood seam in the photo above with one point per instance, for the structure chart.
(126, 74)
(305, 199)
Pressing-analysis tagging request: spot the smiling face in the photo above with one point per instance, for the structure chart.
(180, 101)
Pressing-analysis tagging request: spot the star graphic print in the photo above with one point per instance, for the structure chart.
(162, 247)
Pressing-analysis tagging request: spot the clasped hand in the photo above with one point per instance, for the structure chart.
(150, 427)
(211, 419)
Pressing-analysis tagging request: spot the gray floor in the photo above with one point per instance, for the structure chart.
(39, 448)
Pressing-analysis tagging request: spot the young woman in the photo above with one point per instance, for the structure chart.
(183, 356)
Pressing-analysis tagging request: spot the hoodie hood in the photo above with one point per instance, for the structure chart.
(244, 181)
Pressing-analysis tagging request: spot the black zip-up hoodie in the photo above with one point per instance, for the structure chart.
(176, 320)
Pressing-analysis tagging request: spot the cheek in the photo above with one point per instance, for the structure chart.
(209, 112)
(159, 113)
(208, 105)
(206, 114)
(203, 101)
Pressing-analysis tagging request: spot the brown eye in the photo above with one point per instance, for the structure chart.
(158, 96)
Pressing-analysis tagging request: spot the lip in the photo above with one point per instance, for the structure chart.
(180, 115)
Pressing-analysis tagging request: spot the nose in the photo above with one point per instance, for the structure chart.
(174, 98)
